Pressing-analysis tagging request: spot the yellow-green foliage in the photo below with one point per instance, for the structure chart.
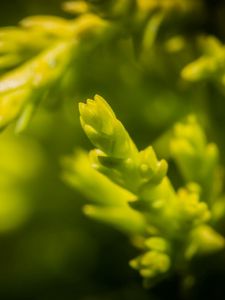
(173, 223)
(161, 63)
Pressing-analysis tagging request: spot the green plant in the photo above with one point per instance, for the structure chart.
(136, 196)
(161, 63)
(34, 55)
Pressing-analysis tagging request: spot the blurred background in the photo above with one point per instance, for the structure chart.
(48, 248)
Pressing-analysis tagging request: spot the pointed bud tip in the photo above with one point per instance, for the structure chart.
(103, 103)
